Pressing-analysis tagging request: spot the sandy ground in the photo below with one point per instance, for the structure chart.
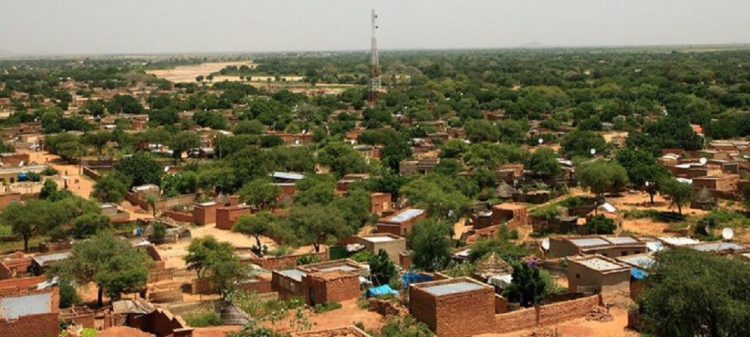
(175, 252)
(188, 73)
(583, 328)
(79, 184)
(218, 331)
(349, 314)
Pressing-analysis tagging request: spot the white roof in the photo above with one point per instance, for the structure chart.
(608, 207)
(377, 239)
(288, 175)
(597, 263)
(589, 242)
(452, 288)
(678, 241)
(14, 307)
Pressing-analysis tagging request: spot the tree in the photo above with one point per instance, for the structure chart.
(679, 193)
(691, 293)
(109, 188)
(382, 268)
(90, 224)
(431, 244)
(643, 169)
(602, 176)
(98, 140)
(544, 162)
(440, 200)
(141, 169)
(257, 225)
(49, 188)
(600, 224)
(111, 262)
(33, 217)
(579, 143)
(182, 142)
(207, 256)
(527, 287)
(151, 200)
(317, 224)
(342, 159)
(260, 192)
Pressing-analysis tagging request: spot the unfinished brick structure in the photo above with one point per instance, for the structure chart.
(515, 214)
(26, 311)
(226, 217)
(161, 323)
(346, 265)
(7, 198)
(205, 213)
(15, 265)
(402, 222)
(597, 274)
(381, 203)
(330, 287)
(611, 246)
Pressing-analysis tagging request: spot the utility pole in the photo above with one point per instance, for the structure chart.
(375, 84)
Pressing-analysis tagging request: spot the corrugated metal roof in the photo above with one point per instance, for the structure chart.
(452, 288)
(43, 260)
(407, 215)
(15, 307)
(599, 264)
(288, 175)
(589, 242)
(294, 274)
(621, 240)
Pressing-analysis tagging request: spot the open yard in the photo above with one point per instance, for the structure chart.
(184, 74)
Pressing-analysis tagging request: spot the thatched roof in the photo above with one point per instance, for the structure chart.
(491, 265)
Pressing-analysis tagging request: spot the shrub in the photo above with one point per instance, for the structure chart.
(204, 320)
(325, 307)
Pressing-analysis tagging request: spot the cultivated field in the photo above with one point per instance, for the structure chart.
(183, 74)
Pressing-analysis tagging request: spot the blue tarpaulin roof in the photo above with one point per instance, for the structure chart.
(410, 278)
(380, 291)
(638, 274)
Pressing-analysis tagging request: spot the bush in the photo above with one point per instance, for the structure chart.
(204, 320)
(49, 171)
(308, 259)
(600, 225)
(325, 307)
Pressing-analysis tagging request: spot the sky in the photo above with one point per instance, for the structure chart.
(186, 26)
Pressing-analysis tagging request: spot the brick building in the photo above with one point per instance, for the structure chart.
(15, 265)
(205, 213)
(515, 214)
(454, 307)
(28, 308)
(381, 203)
(227, 216)
(722, 183)
(597, 274)
(611, 246)
(402, 222)
(331, 285)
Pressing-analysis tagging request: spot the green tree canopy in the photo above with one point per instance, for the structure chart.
(431, 244)
(691, 293)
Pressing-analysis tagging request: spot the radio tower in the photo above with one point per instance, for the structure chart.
(375, 84)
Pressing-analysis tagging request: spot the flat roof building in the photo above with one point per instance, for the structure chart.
(401, 223)
(612, 246)
(597, 273)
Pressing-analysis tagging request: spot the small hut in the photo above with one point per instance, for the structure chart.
(505, 191)
(494, 270)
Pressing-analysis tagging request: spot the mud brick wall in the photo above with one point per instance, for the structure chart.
(284, 262)
(227, 216)
(179, 216)
(333, 291)
(43, 325)
(422, 307)
(563, 311)
(156, 275)
(516, 320)
(256, 286)
(165, 296)
(204, 215)
(465, 314)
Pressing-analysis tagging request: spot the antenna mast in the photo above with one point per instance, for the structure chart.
(375, 84)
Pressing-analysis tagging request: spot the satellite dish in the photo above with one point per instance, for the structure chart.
(727, 234)
(703, 161)
(541, 141)
(545, 244)
(593, 151)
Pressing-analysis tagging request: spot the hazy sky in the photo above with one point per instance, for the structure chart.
(164, 26)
